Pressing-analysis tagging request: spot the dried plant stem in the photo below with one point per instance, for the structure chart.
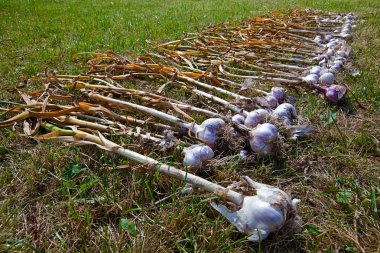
(209, 97)
(140, 108)
(271, 79)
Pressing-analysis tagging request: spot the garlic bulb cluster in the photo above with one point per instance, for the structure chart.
(195, 155)
(263, 139)
(209, 130)
(261, 214)
(285, 113)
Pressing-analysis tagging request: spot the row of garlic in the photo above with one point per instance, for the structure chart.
(336, 52)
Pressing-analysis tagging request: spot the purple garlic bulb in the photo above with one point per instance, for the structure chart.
(334, 93)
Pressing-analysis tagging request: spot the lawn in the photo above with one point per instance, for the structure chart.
(57, 198)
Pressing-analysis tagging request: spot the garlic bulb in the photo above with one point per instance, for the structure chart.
(339, 63)
(335, 69)
(263, 138)
(278, 93)
(238, 119)
(271, 101)
(195, 155)
(331, 44)
(335, 93)
(311, 79)
(341, 53)
(284, 113)
(327, 78)
(318, 39)
(330, 52)
(255, 117)
(261, 214)
(315, 70)
(209, 130)
(328, 37)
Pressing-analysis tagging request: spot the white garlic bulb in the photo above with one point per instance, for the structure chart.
(345, 34)
(238, 119)
(263, 138)
(315, 70)
(339, 63)
(278, 93)
(209, 130)
(341, 53)
(311, 79)
(328, 37)
(284, 113)
(195, 155)
(334, 69)
(327, 78)
(271, 101)
(261, 214)
(255, 117)
(331, 44)
(330, 52)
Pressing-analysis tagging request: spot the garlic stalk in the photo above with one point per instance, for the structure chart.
(258, 215)
(208, 131)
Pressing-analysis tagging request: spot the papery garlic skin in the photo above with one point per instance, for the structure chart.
(262, 214)
(263, 139)
(209, 130)
(195, 155)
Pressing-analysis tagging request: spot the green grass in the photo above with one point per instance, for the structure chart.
(68, 199)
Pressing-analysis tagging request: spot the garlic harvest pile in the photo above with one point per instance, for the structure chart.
(258, 215)
(205, 78)
(316, 51)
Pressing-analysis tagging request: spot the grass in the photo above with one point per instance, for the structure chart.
(55, 198)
